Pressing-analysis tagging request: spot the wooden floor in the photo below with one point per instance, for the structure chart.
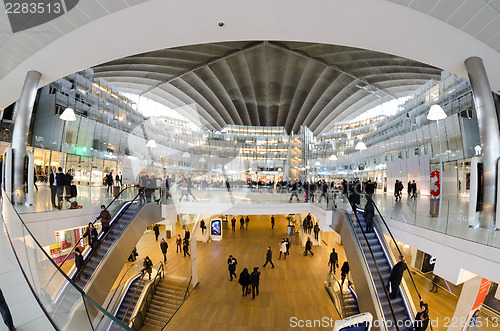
(294, 288)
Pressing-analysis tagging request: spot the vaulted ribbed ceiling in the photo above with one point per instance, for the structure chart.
(268, 83)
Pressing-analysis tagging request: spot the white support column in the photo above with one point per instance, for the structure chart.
(30, 179)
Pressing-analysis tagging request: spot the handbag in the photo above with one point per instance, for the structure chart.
(249, 291)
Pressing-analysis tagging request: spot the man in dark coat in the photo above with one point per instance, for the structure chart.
(156, 229)
(334, 260)
(53, 186)
(368, 214)
(396, 276)
(344, 272)
(269, 258)
(78, 259)
(105, 217)
(255, 280)
(163, 247)
(61, 183)
(231, 266)
(308, 247)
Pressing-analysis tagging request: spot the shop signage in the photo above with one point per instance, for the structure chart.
(437, 184)
(481, 294)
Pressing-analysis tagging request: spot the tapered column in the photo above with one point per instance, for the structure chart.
(23, 111)
(489, 133)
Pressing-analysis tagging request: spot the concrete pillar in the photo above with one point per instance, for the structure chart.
(23, 110)
(489, 133)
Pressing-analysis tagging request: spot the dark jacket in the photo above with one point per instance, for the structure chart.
(51, 178)
(421, 322)
(156, 229)
(61, 179)
(92, 234)
(369, 213)
(334, 258)
(397, 274)
(269, 255)
(345, 268)
(148, 265)
(104, 216)
(78, 261)
(254, 278)
(231, 264)
(244, 278)
(163, 246)
(308, 245)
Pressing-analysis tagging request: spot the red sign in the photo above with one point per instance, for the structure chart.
(436, 183)
(481, 294)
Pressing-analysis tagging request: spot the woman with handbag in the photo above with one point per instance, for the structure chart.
(245, 281)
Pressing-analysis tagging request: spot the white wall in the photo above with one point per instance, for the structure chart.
(414, 168)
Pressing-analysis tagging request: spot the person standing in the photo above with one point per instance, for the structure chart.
(334, 260)
(295, 189)
(435, 283)
(61, 182)
(283, 249)
(105, 217)
(421, 321)
(202, 226)
(344, 272)
(269, 258)
(287, 246)
(316, 231)
(156, 229)
(163, 247)
(147, 266)
(414, 190)
(6, 315)
(68, 178)
(308, 247)
(78, 259)
(53, 186)
(92, 234)
(109, 182)
(187, 235)
(185, 247)
(231, 266)
(178, 243)
(244, 281)
(254, 279)
(396, 276)
(242, 222)
(247, 220)
(368, 214)
(233, 224)
(272, 222)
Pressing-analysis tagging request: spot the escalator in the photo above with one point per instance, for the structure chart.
(129, 301)
(117, 224)
(350, 302)
(380, 259)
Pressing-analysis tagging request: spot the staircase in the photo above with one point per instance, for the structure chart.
(167, 299)
(385, 268)
(129, 302)
(95, 257)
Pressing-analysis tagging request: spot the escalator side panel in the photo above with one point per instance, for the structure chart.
(109, 268)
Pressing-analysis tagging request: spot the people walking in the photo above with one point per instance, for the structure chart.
(178, 243)
(435, 283)
(244, 281)
(334, 260)
(6, 315)
(308, 247)
(282, 249)
(287, 246)
(147, 266)
(254, 279)
(316, 231)
(163, 247)
(272, 221)
(233, 224)
(105, 217)
(247, 220)
(242, 222)
(187, 234)
(413, 190)
(396, 276)
(344, 271)
(295, 189)
(269, 257)
(156, 229)
(231, 266)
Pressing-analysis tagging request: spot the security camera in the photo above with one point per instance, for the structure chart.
(220, 23)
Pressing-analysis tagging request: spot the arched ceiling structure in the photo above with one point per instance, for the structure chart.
(439, 33)
(268, 83)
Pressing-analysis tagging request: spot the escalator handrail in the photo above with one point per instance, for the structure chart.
(79, 240)
(332, 278)
(376, 265)
(93, 250)
(121, 279)
(400, 253)
(84, 296)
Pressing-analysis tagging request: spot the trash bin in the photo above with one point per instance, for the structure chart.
(291, 229)
(169, 234)
(434, 207)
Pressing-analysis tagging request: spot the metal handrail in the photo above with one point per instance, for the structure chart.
(333, 279)
(376, 265)
(186, 295)
(135, 264)
(79, 240)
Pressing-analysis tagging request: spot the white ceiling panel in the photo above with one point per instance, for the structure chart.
(478, 22)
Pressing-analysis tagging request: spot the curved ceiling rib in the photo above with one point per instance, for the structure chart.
(268, 83)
